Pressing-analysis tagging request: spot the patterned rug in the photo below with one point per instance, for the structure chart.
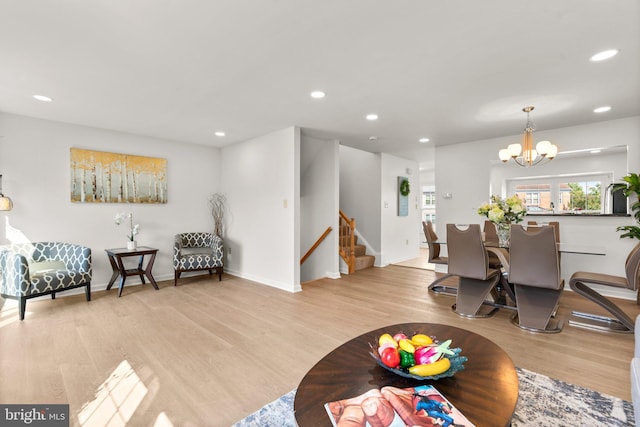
(543, 401)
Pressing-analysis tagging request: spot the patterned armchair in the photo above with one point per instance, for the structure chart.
(29, 270)
(197, 251)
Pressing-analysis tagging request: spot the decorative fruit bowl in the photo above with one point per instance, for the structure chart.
(420, 357)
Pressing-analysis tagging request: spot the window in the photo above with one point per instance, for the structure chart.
(428, 199)
(562, 194)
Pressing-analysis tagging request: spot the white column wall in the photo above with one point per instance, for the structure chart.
(360, 195)
(35, 163)
(319, 195)
(261, 178)
(400, 234)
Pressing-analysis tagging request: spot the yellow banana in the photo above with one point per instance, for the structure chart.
(420, 340)
(429, 369)
(406, 345)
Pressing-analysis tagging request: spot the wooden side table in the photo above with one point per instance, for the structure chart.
(117, 264)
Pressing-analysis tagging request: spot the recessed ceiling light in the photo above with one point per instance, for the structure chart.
(605, 54)
(220, 133)
(317, 94)
(373, 138)
(603, 109)
(594, 151)
(372, 117)
(424, 140)
(43, 98)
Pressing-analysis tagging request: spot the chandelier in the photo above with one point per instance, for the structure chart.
(524, 154)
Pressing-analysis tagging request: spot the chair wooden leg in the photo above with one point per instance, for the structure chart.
(22, 303)
(220, 274)
(87, 291)
(53, 295)
(176, 276)
(210, 271)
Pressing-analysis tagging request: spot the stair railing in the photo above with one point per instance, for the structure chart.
(315, 245)
(347, 242)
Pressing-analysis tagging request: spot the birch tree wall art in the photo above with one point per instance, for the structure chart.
(101, 177)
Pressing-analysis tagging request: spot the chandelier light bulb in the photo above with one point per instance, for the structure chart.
(504, 155)
(553, 151)
(543, 147)
(514, 150)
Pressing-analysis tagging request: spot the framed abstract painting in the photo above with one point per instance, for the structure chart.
(102, 177)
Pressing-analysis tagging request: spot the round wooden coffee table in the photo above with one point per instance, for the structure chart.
(486, 390)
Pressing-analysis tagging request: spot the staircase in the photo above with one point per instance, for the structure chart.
(353, 254)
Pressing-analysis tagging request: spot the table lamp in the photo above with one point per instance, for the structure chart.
(5, 202)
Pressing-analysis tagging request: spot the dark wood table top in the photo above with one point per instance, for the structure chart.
(486, 391)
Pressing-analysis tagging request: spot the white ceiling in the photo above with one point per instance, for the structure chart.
(452, 71)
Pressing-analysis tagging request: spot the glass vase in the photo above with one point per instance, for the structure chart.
(504, 233)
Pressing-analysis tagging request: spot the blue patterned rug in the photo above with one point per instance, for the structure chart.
(543, 401)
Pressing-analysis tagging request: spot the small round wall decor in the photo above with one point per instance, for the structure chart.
(404, 188)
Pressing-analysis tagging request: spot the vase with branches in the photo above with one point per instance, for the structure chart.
(218, 204)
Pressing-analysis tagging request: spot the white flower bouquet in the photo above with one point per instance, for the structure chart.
(133, 228)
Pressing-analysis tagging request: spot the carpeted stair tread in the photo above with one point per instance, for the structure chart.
(364, 261)
(359, 250)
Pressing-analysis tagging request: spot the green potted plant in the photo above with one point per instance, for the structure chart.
(630, 186)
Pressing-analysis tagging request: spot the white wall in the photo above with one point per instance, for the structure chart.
(34, 161)
(464, 171)
(360, 192)
(319, 195)
(400, 235)
(261, 178)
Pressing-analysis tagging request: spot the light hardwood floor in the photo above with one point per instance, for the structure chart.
(208, 353)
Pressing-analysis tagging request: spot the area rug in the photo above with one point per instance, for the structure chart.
(542, 401)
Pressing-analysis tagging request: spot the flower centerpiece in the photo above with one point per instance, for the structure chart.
(503, 212)
(133, 228)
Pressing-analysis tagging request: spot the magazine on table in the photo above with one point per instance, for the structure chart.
(397, 407)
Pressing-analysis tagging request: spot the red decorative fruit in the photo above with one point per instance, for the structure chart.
(390, 357)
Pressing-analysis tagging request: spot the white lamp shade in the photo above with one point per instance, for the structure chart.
(504, 154)
(553, 151)
(514, 149)
(5, 203)
(543, 147)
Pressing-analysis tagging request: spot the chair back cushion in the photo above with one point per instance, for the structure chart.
(467, 254)
(196, 240)
(431, 236)
(490, 232)
(533, 257)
